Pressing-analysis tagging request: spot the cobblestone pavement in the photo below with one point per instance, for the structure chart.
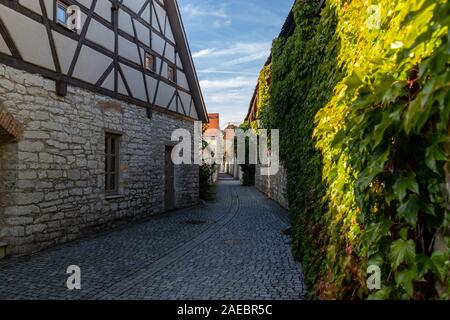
(233, 248)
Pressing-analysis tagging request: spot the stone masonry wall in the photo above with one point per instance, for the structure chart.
(273, 186)
(52, 181)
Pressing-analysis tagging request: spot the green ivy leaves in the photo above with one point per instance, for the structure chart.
(403, 184)
(405, 280)
(410, 210)
(364, 117)
(402, 251)
(440, 264)
(434, 153)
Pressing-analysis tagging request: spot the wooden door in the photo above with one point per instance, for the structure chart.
(169, 180)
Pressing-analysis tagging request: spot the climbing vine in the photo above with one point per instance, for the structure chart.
(263, 96)
(363, 107)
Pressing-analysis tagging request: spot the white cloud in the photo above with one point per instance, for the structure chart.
(232, 105)
(196, 11)
(228, 83)
(229, 96)
(221, 23)
(249, 58)
(239, 48)
(229, 99)
(215, 71)
(202, 53)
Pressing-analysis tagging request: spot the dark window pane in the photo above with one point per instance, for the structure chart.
(113, 164)
(107, 187)
(113, 146)
(107, 165)
(113, 182)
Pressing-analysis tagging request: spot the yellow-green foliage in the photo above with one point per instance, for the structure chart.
(263, 88)
(262, 93)
(364, 118)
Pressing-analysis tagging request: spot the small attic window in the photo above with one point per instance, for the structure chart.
(62, 16)
(171, 75)
(61, 13)
(149, 62)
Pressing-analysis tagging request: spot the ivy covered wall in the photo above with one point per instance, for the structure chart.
(363, 111)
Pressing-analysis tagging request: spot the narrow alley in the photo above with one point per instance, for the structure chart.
(232, 248)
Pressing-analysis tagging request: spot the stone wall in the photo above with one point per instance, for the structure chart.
(52, 181)
(273, 186)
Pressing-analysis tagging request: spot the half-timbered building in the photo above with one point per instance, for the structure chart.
(87, 109)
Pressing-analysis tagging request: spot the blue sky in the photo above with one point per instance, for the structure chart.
(230, 40)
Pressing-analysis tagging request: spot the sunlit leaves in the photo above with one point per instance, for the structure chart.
(376, 105)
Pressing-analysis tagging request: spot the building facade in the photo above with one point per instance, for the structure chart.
(230, 165)
(211, 136)
(86, 117)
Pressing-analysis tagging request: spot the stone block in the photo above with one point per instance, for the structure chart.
(31, 146)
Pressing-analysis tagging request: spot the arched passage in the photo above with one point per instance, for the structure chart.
(10, 133)
(10, 129)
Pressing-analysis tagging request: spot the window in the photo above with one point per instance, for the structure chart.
(112, 163)
(149, 62)
(171, 74)
(61, 13)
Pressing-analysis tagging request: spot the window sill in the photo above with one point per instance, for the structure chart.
(65, 26)
(114, 196)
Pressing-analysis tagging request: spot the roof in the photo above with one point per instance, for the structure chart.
(288, 27)
(173, 13)
(213, 126)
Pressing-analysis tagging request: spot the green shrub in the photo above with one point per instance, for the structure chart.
(206, 171)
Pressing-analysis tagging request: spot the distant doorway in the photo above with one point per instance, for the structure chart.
(169, 180)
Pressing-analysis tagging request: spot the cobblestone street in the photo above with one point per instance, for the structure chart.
(233, 248)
